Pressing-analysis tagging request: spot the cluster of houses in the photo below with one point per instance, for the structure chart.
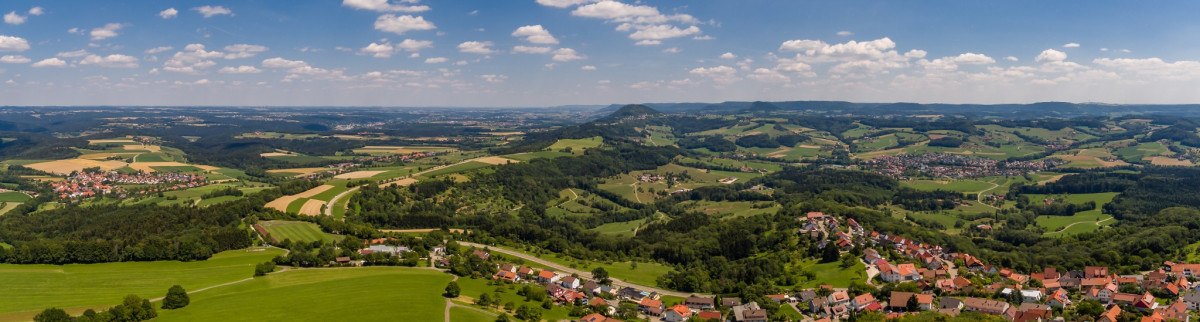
(1163, 294)
(943, 165)
(83, 184)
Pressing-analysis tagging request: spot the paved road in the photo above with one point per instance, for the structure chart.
(568, 270)
(333, 201)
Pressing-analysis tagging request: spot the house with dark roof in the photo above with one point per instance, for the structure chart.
(700, 303)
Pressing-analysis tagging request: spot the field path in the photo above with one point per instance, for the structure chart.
(588, 275)
(333, 201)
(979, 195)
(1084, 222)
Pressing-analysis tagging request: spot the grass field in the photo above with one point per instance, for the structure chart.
(732, 209)
(539, 154)
(466, 314)
(297, 231)
(340, 294)
(832, 273)
(624, 228)
(30, 288)
(472, 288)
(577, 146)
(153, 157)
(467, 166)
(14, 196)
(1085, 221)
(946, 184)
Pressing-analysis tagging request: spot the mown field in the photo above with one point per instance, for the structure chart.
(297, 231)
(337, 294)
(1081, 222)
(30, 288)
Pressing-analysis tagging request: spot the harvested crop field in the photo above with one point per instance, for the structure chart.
(282, 203)
(383, 149)
(402, 182)
(106, 155)
(494, 160)
(149, 166)
(358, 174)
(314, 191)
(298, 171)
(108, 141)
(1168, 161)
(140, 147)
(67, 166)
(273, 154)
(312, 207)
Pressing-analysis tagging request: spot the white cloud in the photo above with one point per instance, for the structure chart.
(476, 47)
(587, 68)
(535, 34)
(105, 32)
(1012, 58)
(1154, 68)
(401, 24)
(211, 11)
(192, 59)
(614, 10)
(519, 49)
(412, 45)
(378, 50)
(491, 78)
(168, 13)
(566, 54)
(14, 59)
(13, 18)
(73, 54)
(36, 11)
(239, 51)
(239, 70)
(974, 59)
(111, 61)
(281, 63)
(158, 50)
(719, 74)
(660, 32)
(13, 43)
(1051, 55)
(648, 43)
(384, 6)
(768, 76)
(50, 62)
(728, 56)
(672, 50)
(435, 60)
(845, 33)
(563, 3)
(1071, 45)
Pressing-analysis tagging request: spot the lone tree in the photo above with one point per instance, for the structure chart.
(176, 298)
(452, 290)
(52, 315)
(600, 274)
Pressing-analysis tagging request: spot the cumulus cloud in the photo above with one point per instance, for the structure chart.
(158, 50)
(646, 24)
(384, 6)
(36, 11)
(13, 43)
(720, 74)
(238, 51)
(110, 61)
(402, 24)
(386, 49)
(73, 54)
(168, 13)
(50, 62)
(106, 31)
(14, 59)
(1012, 58)
(768, 76)
(535, 34)
(212, 11)
(492, 78)
(13, 18)
(728, 56)
(1071, 45)
(476, 47)
(239, 70)
(281, 63)
(845, 33)
(1051, 55)
(519, 49)
(566, 54)
(587, 68)
(192, 59)
(563, 3)
(672, 50)
(435, 60)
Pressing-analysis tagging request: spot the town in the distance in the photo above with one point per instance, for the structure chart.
(734, 211)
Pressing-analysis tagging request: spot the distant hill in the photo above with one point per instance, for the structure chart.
(1033, 110)
(631, 111)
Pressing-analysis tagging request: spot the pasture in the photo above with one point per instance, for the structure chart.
(576, 146)
(1084, 221)
(297, 231)
(337, 294)
(76, 287)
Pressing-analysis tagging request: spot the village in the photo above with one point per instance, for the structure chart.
(87, 184)
(943, 165)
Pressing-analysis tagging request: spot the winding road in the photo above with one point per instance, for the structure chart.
(583, 274)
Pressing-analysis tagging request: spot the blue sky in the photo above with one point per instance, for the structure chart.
(554, 52)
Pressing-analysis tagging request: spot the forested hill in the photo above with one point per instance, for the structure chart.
(1041, 109)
